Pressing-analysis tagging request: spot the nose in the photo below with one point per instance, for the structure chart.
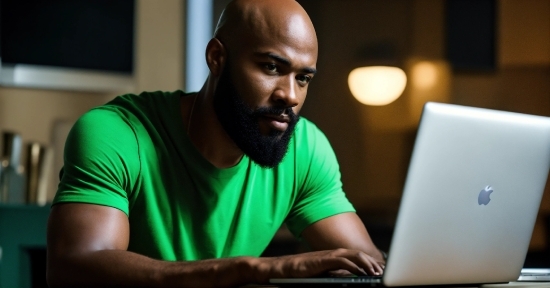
(285, 94)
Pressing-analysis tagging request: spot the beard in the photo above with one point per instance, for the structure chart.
(241, 123)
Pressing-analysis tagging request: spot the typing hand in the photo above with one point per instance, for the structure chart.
(317, 263)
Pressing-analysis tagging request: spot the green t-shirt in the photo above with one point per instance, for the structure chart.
(133, 154)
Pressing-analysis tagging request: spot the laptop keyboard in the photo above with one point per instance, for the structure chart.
(358, 279)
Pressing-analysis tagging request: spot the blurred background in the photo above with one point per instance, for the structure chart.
(492, 54)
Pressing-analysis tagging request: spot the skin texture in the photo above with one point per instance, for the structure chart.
(273, 49)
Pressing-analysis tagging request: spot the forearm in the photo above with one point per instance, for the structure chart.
(121, 268)
(344, 230)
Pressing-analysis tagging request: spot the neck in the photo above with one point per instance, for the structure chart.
(205, 131)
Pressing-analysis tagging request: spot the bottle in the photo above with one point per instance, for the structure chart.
(12, 183)
(37, 172)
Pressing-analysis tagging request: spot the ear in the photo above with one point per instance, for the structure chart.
(216, 55)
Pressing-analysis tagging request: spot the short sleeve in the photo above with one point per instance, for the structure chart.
(101, 161)
(320, 195)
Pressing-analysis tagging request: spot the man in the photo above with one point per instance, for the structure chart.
(187, 190)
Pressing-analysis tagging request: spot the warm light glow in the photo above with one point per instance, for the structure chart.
(424, 75)
(377, 85)
(429, 81)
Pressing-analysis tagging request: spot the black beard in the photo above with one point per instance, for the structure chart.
(241, 123)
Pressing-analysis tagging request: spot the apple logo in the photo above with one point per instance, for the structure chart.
(483, 197)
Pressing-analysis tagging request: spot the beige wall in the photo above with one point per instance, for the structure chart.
(160, 45)
(159, 66)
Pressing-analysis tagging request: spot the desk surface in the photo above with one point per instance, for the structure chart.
(518, 284)
(511, 284)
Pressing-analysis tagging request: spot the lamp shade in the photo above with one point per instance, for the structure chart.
(377, 85)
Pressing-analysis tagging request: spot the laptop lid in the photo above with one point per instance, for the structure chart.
(470, 201)
(471, 197)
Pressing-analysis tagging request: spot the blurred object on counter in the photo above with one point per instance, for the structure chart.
(12, 180)
(39, 160)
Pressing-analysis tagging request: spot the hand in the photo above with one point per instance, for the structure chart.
(316, 263)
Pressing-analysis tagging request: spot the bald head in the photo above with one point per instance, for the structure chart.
(261, 61)
(253, 22)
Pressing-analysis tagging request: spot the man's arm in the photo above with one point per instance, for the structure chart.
(87, 247)
(344, 230)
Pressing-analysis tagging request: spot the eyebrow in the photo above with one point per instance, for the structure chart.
(285, 61)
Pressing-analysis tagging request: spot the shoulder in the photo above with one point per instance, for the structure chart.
(305, 125)
(102, 123)
(314, 157)
(107, 131)
(146, 102)
(308, 137)
(99, 134)
(127, 113)
(306, 129)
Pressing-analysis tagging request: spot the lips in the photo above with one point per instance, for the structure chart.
(277, 122)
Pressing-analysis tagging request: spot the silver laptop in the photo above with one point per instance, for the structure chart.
(470, 201)
(535, 275)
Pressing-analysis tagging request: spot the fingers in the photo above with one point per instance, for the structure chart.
(365, 264)
(339, 273)
(374, 268)
(348, 265)
(317, 263)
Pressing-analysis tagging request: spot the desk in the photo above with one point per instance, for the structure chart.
(509, 285)
(518, 285)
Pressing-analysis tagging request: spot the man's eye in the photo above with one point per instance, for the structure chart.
(271, 67)
(304, 79)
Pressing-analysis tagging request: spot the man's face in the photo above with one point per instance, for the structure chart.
(268, 147)
(264, 84)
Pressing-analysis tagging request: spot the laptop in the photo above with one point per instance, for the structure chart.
(534, 275)
(470, 201)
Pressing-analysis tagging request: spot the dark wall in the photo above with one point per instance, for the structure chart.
(351, 34)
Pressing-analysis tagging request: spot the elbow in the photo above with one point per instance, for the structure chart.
(53, 278)
(57, 274)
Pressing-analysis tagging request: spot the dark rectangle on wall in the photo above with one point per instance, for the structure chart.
(84, 34)
(470, 34)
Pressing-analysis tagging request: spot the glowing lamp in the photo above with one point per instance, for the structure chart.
(377, 85)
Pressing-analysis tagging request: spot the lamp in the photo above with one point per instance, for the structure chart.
(430, 81)
(377, 85)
